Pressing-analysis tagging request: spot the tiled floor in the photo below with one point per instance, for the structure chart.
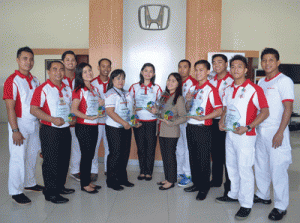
(142, 203)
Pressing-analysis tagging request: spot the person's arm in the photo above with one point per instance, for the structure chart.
(221, 122)
(40, 114)
(74, 109)
(180, 106)
(264, 113)
(110, 111)
(278, 137)
(12, 119)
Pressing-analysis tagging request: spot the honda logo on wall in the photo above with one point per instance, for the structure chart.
(154, 17)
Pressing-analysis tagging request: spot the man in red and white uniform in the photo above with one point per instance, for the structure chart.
(51, 104)
(221, 81)
(182, 152)
(23, 128)
(245, 107)
(100, 82)
(273, 148)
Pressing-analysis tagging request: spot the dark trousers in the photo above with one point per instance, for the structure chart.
(199, 145)
(146, 139)
(87, 136)
(168, 153)
(119, 141)
(56, 149)
(218, 156)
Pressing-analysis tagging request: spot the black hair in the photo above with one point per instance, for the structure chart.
(239, 57)
(178, 91)
(219, 55)
(49, 65)
(79, 82)
(152, 80)
(204, 62)
(270, 51)
(24, 49)
(187, 61)
(99, 62)
(113, 75)
(66, 53)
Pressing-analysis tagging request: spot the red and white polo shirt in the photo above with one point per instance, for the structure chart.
(67, 81)
(222, 84)
(20, 88)
(187, 84)
(205, 101)
(101, 87)
(50, 98)
(148, 93)
(85, 96)
(277, 90)
(245, 101)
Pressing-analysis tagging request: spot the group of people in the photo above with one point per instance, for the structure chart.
(225, 119)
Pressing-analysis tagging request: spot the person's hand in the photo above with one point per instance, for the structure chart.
(222, 125)
(165, 121)
(199, 118)
(101, 102)
(277, 140)
(93, 117)
(18, 138)
(138, 125)
(73, 122)
(189, 96)
(241, 130)
(58, 121)
(153, 110)
(126, 125)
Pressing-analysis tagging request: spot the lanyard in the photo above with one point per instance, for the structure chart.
(123, 96)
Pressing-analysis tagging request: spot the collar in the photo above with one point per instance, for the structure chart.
(202, 86)
(272, 77)
(149, 85)
(100, 81)
(226, 76)
(189, 78)
(247, 81)
(53, 85)
(29, 77)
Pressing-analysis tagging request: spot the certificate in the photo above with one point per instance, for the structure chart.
(231, 118)
(63, 109)
(92, 105)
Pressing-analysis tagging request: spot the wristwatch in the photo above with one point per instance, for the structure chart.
(248, 127)
(15, 130)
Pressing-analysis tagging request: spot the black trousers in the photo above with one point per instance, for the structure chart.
(168, 153)
(199, 145)
(56, 149)
(146, 139)
(119, 141)
(218, 156)
(87, 136)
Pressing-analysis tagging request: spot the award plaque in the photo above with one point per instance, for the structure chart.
(231, 118)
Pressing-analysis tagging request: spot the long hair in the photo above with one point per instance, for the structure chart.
(79, 82)
(178, 91)
(152, 80)
(113, 75)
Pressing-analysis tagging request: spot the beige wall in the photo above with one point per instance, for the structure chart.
(256, 24)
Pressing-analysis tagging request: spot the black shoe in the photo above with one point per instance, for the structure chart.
(201, 195)
(97, 187)
(225, 199)
(56, 199)
(95, 191)
(212, 184)
(160, 183)
(148, 178)
(166, 188)
(257, 199)
(141, 177)
(191, 189)
(21, 199)
(242, 214)
(36, 188)
(116, 187)
(67, 191)
(127, 184)
(276, 214)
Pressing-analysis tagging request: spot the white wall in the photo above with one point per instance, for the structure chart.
(164, 49)
(256, 24)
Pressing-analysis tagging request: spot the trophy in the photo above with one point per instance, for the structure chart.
(160, 105)
(132, 117)
(193, 107)
(231, 118)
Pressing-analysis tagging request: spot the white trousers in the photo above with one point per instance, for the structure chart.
(22, 162)
(101, 135)
(182, 153)
(240, 151)
(272, 165)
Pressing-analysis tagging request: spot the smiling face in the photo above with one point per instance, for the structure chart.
(119, 81)
(172, 84)
(238, 71)
(87, 74)
(201, 73)
(56, 72)
(104, 68)
(147, 73)
(70, 62)
(184, 70)
(270, 64)
(25, 62)
(219, 65)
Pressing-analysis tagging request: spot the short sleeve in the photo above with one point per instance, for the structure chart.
(38, 97)
(110, 100)
(10, 89)
(215, 99)
(259, 99)
(132, 91)
(286, 89)
(76, 94)
(158, 93)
